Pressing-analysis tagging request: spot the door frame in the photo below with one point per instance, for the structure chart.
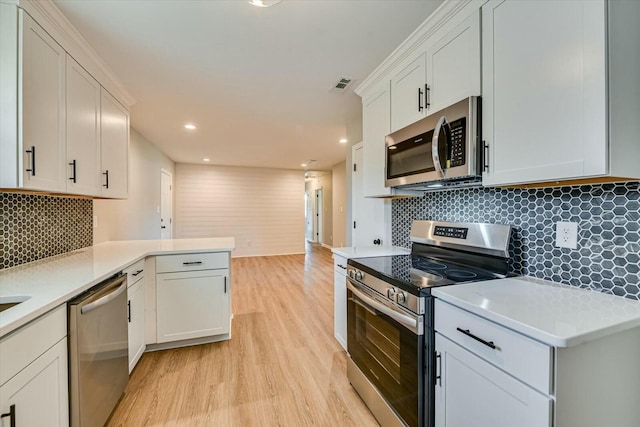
(164, 171)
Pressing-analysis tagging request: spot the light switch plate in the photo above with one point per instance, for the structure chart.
(567, 235)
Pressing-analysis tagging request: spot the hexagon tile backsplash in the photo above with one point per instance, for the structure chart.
(608, 254)
(33, 227)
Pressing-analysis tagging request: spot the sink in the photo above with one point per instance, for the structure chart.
(8, 302)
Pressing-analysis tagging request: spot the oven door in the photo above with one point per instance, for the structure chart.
(386, 344)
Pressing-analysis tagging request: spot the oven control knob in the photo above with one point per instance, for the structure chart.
(359, 275)
(352, 274)
(391, 292)
(401, 297)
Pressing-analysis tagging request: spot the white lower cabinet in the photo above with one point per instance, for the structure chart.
(135, 295)
(340, 300)
(472, 392)
(34, 375)
(193, 296)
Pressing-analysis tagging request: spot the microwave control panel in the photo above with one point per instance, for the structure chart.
(458, 146)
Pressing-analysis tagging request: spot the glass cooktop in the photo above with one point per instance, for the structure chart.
(422, 272)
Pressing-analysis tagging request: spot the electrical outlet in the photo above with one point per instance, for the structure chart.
(95, 221)
(567, 235)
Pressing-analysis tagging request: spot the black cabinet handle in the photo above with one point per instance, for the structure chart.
(225, 284)
(136, 273)
(73, 167)
(420, 108)
(33, 160)
(163, 226)
(489, 344)
(342, 266)
(129, 311)
(12, 415)
(485, 151)
(106, 174)
(426, 96)
(192, 263)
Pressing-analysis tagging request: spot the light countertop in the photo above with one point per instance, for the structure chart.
(369, 251)
(555, 314)
(53, 281)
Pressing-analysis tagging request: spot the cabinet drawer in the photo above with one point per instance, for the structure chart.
(134, 272)
(340, 264)
(189, 262)
(25, 345)
(524, 358)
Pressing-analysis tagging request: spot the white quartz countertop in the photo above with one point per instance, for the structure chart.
(53, 281)
(369, 251)
(555, 314)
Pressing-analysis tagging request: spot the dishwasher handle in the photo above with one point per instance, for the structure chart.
(112, 291)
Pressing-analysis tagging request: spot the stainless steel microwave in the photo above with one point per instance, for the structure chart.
(442, 150)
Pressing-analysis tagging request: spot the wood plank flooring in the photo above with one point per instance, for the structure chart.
(282, 366)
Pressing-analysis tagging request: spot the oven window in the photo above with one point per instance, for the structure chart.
(410, 157)
(389, 355)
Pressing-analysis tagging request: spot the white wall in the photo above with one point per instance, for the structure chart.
(135, 218)
(262, 208)
(339, 176)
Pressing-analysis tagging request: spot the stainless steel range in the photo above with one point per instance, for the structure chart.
(390, 336)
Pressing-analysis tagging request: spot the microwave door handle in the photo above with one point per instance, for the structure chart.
(435, 145)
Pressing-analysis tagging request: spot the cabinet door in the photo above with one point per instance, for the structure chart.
(376, 114)
(471, 392)
(192, 304)
(544, 100)
(371, 216)
(340, 307)
(41, 78)
(407, 94)
(39, 392)
(135, 302)
(453, 65)
(114, 147)
(83, 131)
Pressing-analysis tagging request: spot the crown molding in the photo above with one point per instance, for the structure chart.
(47, 14)
(428, 28)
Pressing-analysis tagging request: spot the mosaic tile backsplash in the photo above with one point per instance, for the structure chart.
(33, 227)
(608, 216)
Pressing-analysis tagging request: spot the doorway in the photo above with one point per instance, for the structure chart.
(166, 204)
(308, 216)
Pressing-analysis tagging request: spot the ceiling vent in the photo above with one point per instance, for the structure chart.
(341, 85)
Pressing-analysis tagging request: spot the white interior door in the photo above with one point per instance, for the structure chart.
(166, 205)
(308, 216)
(318, 215)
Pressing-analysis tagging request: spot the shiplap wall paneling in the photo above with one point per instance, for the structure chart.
(262, 208)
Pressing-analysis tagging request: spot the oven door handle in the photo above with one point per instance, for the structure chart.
(404, 320)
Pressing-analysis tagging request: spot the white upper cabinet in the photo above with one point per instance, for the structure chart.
(408, 98)
(376, 116)
(41, 108)
(544, 82)
(453, 66)
(52, 111)
(114, 144)
(445, 71)
(83, 131)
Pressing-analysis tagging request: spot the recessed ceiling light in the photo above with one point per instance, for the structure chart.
(304, 165)
(263, 3)
(206, 159)
(190, 126)
(343, 141)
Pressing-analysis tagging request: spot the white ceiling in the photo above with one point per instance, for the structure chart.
(254, 80)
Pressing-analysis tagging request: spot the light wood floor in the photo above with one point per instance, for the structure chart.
(282, 366)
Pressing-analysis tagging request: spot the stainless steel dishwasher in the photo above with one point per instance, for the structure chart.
(98, 351)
